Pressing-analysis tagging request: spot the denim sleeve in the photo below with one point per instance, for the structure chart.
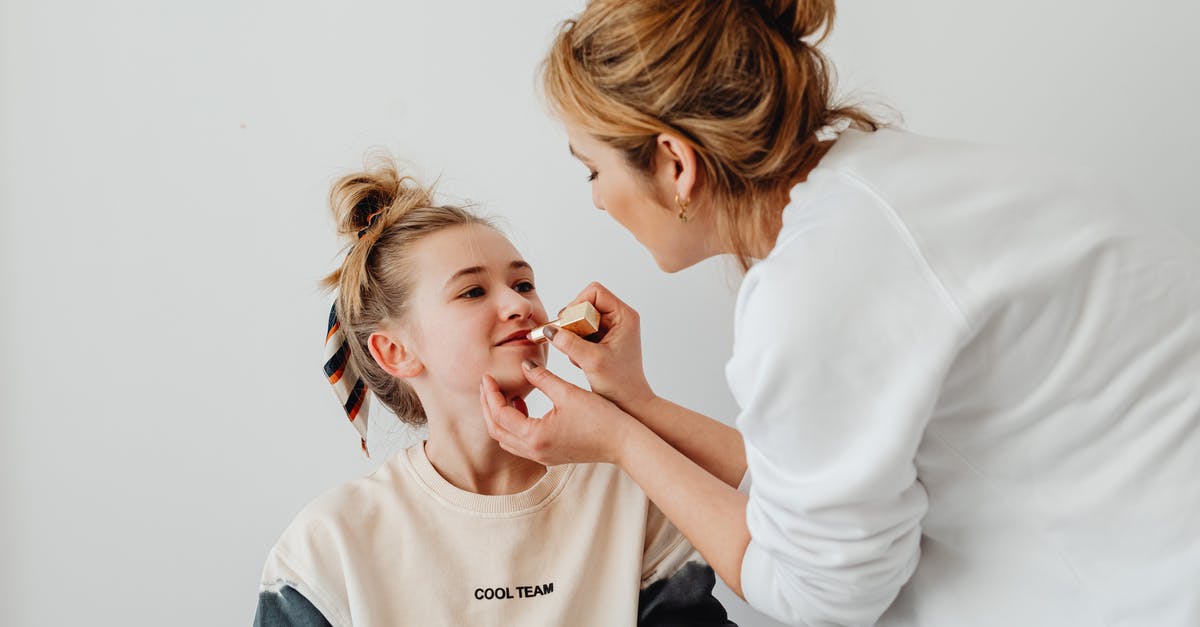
(684, 599)
(286, 607)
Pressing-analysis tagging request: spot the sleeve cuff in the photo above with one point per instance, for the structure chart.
(756, 579)
(744, 486)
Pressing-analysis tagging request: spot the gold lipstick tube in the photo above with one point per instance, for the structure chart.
(581, 319)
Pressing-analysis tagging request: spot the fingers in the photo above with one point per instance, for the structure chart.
(553, 387)
(502, 418)
(603, 300)
(582, 353)
(493, 429)
(514, 431)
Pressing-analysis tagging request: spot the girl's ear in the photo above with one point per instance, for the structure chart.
(393, 356)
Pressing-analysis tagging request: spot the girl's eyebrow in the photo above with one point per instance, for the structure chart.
(515, 265)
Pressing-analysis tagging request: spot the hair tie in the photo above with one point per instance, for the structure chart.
(349, 388)
(831, 131)
(371, 219)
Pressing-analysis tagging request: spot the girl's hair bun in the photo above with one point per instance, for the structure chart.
(377, 194)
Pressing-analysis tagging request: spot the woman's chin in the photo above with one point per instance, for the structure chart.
(671, 265)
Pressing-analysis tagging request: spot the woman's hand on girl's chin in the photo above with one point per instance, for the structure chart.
(581, 427)
(612, 364)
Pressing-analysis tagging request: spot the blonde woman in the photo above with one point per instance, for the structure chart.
(455, 530)
(968, 379)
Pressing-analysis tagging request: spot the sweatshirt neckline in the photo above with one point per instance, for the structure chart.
(529, 500)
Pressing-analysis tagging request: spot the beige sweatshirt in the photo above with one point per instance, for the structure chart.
(402, 546)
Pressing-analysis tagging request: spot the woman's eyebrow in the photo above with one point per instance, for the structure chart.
(575, 154)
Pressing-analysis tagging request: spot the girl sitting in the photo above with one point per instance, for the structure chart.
(455, 530)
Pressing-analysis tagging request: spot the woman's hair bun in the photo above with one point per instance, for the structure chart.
(799, 19)
(379, 193)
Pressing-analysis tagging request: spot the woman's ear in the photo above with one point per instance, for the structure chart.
(676, 167)
(393, 356)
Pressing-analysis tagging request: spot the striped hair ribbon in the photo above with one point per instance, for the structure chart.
(349, 387)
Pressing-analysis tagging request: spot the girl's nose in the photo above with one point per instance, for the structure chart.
(515, 307)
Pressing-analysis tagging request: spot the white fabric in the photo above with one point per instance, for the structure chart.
(969, 386)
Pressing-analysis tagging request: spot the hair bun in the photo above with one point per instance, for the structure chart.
(379, 193)
(799, 19)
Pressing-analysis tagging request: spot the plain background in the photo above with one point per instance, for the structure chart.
(164, 170)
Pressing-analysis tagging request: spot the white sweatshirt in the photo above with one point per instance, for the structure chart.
(969, 386)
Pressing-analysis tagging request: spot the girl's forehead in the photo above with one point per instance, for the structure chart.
(453, 249)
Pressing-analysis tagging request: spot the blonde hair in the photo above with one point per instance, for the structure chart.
(383, 214)
(734, 78)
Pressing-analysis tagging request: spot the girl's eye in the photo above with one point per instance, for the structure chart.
(474, 292)
(592, 175)
(524, 286)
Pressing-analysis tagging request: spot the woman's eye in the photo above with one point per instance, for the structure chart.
(592, 175)
(524, 286)
(474, 292)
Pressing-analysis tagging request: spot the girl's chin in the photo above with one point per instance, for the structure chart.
(511, 380)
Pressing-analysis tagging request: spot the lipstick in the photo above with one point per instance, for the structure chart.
(581, 319)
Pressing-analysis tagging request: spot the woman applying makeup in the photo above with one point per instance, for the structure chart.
(968, 378)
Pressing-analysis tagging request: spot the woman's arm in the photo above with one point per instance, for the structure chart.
(705, 508)
(713, 445)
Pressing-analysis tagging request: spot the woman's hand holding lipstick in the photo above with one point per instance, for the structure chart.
(611, 359)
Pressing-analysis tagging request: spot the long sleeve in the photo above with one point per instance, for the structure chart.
(283, 606)
(287, 597)
(843, 338)
(677, 584)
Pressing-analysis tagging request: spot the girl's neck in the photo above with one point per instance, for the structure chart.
(463, 453)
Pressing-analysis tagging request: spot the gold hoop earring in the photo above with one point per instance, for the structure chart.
(682, 208)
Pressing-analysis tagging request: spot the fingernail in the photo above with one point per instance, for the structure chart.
(550, 331)
(529, 365)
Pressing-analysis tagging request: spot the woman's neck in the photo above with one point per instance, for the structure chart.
(774, 203)
(463, 453)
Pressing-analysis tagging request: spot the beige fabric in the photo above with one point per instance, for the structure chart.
(404, 546)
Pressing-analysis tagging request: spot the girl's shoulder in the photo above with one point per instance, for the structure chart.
(344, 507)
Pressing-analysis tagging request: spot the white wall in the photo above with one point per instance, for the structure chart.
(163, 168)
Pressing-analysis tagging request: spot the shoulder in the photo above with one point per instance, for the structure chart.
(607, 481)
(916, 173)
(664, 548)
(324, 521)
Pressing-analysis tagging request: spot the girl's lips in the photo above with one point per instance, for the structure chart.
(518, 338)
(519, 403)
